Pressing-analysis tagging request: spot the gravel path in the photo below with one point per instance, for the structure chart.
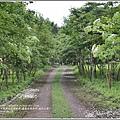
(77, 107)
(43, 105)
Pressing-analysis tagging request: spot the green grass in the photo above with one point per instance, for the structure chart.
(20, 113)
(60, 105)
(111, 97)
(14, 89)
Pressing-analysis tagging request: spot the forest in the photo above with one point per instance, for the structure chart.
(89, 41)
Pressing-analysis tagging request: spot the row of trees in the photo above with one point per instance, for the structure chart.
(91, 38)
(26, 42)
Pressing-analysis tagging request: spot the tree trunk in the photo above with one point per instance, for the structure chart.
(118, 74)
(91, 68)
(20, 76)
(102, 73)
(79, 70)
(88, 70)
(109, 76)
(113, 71)
(34, 73)
(24, 76)
(95, 71)
(30, 71)
(12, 76)
(109, 80)
(17, 75)
(83, 68)
(6, 77)
(1, 72)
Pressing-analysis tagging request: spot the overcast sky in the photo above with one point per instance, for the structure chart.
(55, 10)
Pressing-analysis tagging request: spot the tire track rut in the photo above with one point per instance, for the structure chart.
(44, 101)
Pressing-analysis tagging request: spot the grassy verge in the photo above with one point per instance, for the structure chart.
(60, 105)
(99, 92)
(22, 105)
(14, 89)
(20, 109)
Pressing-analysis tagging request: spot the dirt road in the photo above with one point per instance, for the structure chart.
(78, 108)
(43, 107)
(44, 101)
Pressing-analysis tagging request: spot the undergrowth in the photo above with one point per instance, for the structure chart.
(100, 89)
(22, 105)
(16, 88)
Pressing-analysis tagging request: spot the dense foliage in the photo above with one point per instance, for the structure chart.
(89, 39)
(26, 42)
(92, 40)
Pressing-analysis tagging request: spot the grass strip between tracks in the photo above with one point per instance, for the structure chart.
(60, 105)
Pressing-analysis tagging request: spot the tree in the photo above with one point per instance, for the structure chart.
(26, 42)
(84, 35)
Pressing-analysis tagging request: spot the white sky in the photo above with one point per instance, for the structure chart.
(55, 10)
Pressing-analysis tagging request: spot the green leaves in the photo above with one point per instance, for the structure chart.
(109, 50)
(26, 39)
(116, 17)
(93, 29)
(88, 29)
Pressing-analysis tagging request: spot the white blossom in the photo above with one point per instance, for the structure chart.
(12, 44)
(88, 27)
(94, 48)
(112, 35)
(28, 50)
(97, 20)
(0, 59)
(27, 47)
(113, 42)
(34, 37)
(29, 28)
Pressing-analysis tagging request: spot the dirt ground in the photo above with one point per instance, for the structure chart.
(77, 106)
(44, 101)
(83, 103)
(41, 106)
